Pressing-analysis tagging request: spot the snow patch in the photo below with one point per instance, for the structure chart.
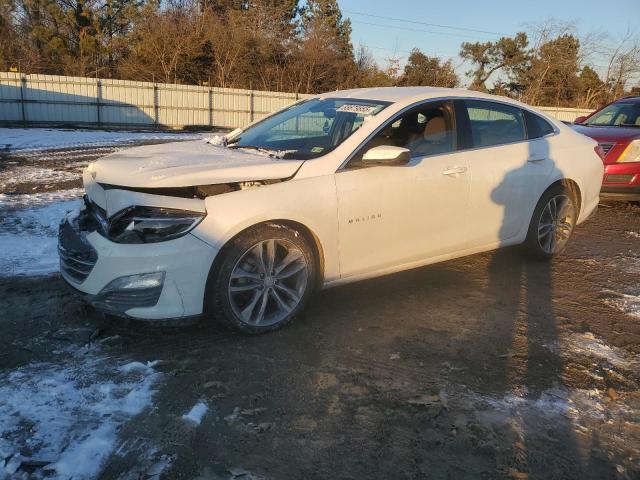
(196, 413)
(29, 231)
(629, 304)
(632, 265)
(27, 174)
(71, 413)
(157, 468)
(549, 402)
(588, 344)
(11, 202)
(218, 140)
(45, 138)
(266, 152)
(138, 367)
(573, 404)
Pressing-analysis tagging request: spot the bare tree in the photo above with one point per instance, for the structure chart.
(162, 45)
(623, 64)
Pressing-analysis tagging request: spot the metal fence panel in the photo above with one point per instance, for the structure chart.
(49, 98)
(565, 114)
(10, 104)
(126, 103)
(183, 105)
(52, 99)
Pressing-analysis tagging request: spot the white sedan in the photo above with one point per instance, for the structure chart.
(337, 188)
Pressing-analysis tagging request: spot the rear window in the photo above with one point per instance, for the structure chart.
(494, 123)
(537, 126)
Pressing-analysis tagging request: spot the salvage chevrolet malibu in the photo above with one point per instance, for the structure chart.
(336, 188)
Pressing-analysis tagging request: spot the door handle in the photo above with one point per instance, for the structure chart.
(454, 170)
(536, 158)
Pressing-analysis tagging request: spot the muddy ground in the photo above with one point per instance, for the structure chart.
(490, 366)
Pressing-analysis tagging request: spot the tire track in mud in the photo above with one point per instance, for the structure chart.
(372, 393)
(368, 385)
(411, 350)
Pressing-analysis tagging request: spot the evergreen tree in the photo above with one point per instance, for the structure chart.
(81, 37)
(325, 59)
(325, 15)
(9, 40)
(592, 89)
(506, 54)
(431, 71)
(552, 79)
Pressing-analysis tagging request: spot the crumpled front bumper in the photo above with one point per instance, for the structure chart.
(185, 263)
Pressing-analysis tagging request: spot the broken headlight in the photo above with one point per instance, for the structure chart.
(151, 224)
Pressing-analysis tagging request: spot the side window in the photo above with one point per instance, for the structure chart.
(494, 123)
(537, 127)
(425, 130)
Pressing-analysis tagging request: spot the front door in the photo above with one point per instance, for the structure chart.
(396, 215)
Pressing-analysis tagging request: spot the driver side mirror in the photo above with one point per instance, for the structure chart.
(386, 155)
(580, 119)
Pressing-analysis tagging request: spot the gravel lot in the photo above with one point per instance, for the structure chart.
(490, 366)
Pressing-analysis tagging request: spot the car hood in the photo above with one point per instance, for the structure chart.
(608, 134)
(184, 164)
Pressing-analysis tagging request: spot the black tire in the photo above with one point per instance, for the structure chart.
(219, 301)
(561, 230)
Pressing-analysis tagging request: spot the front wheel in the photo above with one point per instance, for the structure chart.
(552, 223)
(265, 278)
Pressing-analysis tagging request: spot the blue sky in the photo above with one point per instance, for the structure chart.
(476, 21)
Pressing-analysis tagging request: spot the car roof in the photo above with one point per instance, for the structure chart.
(404, 94)
(630, 98)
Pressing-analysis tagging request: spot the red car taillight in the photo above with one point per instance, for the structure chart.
(600, 151)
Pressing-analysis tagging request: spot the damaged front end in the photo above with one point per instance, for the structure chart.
(196, 191)
(131, 250)
(141, 224)
(141, 262)
(150, 215)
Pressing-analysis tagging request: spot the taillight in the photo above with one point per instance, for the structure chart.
(600, 151)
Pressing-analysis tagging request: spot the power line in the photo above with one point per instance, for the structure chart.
(394, 51)
(415, 22)
(435, 33)
(405, 29)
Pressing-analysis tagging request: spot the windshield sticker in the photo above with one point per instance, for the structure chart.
(317, 149)
(361, 109)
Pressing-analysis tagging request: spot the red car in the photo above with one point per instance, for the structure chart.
(616, 128)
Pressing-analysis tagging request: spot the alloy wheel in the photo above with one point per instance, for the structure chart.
(268, 282)
(556, 223)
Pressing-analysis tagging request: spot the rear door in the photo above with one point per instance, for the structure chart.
(504, 170)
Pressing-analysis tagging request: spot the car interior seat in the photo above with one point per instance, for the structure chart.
(435, 139)
(410, 130)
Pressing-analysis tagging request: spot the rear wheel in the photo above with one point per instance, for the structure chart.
(264, 279)
(552, 223)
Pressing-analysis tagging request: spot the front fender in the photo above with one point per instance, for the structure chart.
(310, 202)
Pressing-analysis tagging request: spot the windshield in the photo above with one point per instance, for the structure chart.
(308, 129)
(621, 114)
